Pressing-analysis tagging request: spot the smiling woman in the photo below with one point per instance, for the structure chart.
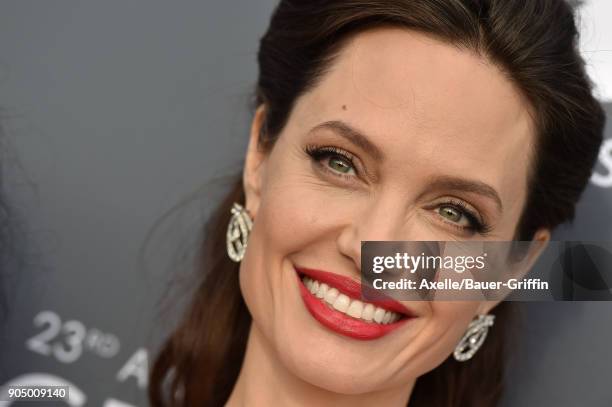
(381, 120)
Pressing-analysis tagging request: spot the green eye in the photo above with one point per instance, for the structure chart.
(340, 165)
(333, 159)
(450, 213)
(458, 215)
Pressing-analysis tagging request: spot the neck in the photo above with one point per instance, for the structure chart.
(265, 381)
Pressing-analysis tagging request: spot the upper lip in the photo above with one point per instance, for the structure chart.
(353, 289)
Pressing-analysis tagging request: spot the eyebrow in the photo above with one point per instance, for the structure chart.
(353, 135)
(467, 185)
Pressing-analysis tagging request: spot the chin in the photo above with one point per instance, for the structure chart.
(330, 360)
(328, 363)
(321, 345)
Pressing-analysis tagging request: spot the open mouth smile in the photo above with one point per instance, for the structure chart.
(335, 301)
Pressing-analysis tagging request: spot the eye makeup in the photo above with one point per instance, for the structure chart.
(323, 155)
(476, 223)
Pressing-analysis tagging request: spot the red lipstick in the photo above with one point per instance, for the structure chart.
(340, 322)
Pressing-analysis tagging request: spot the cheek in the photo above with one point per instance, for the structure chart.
(287, 221)
(298, 208)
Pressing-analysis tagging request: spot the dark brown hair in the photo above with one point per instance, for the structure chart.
(535, 45)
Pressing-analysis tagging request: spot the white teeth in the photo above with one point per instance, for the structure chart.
(354, 308)
(342, 303)
(387, 317)
(322, 290)
(379, 315)
(331, 295)
(368, 312)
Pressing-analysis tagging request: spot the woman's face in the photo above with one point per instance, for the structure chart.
(404, 138)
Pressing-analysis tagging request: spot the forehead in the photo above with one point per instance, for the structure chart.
(431, 107)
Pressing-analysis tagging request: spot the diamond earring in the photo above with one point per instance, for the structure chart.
(238, 231)
(473, 338)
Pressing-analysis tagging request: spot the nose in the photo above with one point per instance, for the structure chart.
(381, 219)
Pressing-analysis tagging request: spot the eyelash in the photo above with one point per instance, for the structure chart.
(477, 226)
(318, 153)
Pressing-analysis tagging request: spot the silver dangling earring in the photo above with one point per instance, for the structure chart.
(238, 232)
(473, 338)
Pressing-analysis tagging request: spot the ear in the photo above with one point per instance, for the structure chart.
(252, 176)
(539, 242)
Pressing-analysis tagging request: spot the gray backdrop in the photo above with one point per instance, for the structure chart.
(117, 111)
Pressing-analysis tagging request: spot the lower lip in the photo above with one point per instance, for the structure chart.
(342, 323)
